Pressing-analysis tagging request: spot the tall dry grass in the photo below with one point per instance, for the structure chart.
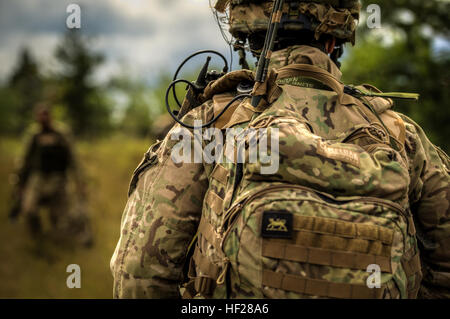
(30, 269)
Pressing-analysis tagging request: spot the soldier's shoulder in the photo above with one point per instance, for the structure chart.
(233, 81)
(219, 94)
(413, 128)
(416, 135)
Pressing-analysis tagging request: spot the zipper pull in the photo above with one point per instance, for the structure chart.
(221, 279)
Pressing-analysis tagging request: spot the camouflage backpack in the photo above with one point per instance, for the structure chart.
(333, 221)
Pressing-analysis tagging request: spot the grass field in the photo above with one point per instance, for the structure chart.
(38, 270)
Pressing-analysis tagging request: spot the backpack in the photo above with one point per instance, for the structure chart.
(333, 221)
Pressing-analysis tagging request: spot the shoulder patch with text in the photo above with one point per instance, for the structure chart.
(304, 82)
(338, 153)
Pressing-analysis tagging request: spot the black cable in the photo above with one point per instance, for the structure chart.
(231, 57)
(225, 68)
(172, 84)
(204, 125)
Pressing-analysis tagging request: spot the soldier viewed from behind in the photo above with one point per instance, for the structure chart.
(357, 208)
(43, 183)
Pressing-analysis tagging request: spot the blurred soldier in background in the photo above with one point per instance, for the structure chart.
(43, 183)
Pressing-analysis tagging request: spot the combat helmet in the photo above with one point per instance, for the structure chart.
(248, 20)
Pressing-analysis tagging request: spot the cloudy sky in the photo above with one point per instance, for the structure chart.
(143, 37)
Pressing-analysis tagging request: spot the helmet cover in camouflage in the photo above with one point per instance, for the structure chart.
(334, 17)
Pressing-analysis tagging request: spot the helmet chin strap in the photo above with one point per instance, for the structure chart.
(330, 44)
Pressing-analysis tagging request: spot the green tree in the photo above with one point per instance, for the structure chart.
(11, 121)
(145, 111)
(88, 112)
(403, 56)
(23, 90)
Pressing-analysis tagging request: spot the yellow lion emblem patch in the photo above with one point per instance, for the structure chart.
(277, 224)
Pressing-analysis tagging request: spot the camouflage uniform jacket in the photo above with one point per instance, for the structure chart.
(166, 199)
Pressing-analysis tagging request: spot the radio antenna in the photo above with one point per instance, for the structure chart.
(266, 53)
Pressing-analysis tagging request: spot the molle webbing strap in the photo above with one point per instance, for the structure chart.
(205, 282)
(207, 268)
(204, 285)
(208, 232)
(190, 291)
(220, 101)
(215, 202)
(324, 257)
(343, 228)
(412, 267)
(317, 287)
(220, 174)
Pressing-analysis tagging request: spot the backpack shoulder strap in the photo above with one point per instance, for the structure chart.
(314, 72)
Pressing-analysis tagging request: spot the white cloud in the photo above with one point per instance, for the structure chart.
(146, 36)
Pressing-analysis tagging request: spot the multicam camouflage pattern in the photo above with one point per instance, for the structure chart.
(355, 200)
(337, 18)
(332, 245)
(430, 203)
(347, 172)
(155, 231)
